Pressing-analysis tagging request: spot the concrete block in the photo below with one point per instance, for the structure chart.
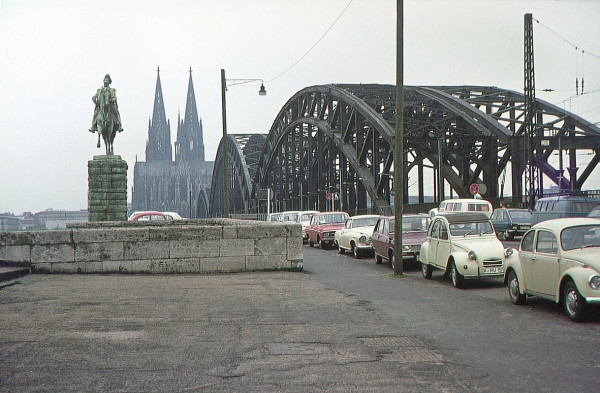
(15, 253)
(294, 248)
(42, 267)
(183, 265)
(98, 251)
(193, 248)
(141, 266)
(119, 234)
(222, 265)
(77, 267)
(297, 264)
(52, 253)
(198, 233)
(52, 237)
(16, 238)
(266, 262)
(116, 267)
(261, 231)
(230, 232)
(145, 250)
(270, 246)
(236, 247)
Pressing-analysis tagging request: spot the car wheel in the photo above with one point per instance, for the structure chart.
(455, 277)
(378, 259)
(500, 235)
(573, 302)
(355, 251)
(320, 243)
(392, 260)
(516, 297)
(340, 249)
(310, 243)
(427, 270)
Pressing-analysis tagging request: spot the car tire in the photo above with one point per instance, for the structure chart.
(392, 260)
(500, 235)
(340, 249)
(378, 259)
(573, 302)
(310, 243)
(516, 297)
(455, 277)
(427, 270)
(320, 243)
(355, 251)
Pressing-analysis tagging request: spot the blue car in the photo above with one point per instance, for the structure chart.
(509, 223)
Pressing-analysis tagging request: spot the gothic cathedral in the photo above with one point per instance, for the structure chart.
(183, 185)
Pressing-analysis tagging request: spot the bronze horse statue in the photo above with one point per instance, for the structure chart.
(107, 121)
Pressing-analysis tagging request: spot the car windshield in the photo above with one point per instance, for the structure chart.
(580, 236)
(332, 218)
(471, 228)
(290, 217)
(365, 222)
(415, 223)
(306, 217)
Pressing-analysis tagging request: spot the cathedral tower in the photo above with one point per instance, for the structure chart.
(189, 146)
(158, 147)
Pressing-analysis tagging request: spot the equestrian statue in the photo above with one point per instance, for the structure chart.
(107, 121)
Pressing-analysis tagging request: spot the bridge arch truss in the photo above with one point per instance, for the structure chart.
(339, 140)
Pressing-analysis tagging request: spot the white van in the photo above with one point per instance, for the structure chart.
(463, 205)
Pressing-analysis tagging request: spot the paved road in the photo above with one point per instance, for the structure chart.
(503, 347)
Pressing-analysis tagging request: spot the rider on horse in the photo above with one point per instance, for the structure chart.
(106, 110)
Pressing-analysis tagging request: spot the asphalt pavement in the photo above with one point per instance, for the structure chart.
(245, 332)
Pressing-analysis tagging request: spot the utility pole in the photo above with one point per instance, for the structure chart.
(399, 141)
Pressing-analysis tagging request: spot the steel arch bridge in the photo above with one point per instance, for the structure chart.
(339, 139)
(243, 156)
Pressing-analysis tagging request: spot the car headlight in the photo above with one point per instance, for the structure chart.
(406, 247)
(595, 282)
(362, 239)
(472, 255)
(508, 252)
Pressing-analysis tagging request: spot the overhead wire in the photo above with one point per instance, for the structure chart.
(315, 44)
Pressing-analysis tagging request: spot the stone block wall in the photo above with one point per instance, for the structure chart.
(107, 189)
(180, 246)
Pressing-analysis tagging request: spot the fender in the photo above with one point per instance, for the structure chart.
(513, 263)
(580, 275)
(424, 253)
(466, 267)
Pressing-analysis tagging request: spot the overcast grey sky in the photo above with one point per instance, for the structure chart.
(54, 54)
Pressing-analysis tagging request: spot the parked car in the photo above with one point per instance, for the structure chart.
(563, 206)
(464, 246)
(414, 233)
(355, 236)
(558, 260)
(147, 216)
(509, 222)
(464, 206)
(273, 217)
(304, 219)
(289, 216)
(322, 227)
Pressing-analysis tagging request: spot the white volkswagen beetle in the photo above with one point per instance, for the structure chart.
(558, 260)
(464, 246)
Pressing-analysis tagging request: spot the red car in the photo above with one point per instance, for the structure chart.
(147, 216)
(322, 227)
(414, 233)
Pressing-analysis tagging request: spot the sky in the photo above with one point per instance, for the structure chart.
(54, 55)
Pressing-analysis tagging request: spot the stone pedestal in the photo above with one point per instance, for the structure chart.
(107, 189)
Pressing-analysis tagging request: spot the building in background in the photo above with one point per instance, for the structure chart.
(181, 185)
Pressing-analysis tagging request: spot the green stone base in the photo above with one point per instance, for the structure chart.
(107, 189)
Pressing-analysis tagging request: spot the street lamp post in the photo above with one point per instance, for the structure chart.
(224, 83)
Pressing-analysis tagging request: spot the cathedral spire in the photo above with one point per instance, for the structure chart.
(190, 141)
(158, 147)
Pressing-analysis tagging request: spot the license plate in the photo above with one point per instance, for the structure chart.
(492, 270)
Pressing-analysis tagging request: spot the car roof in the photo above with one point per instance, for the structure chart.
(366, 216)
(560, 223)
(590, 198)
(454, 218)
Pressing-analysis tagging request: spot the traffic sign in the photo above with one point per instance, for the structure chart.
(474, 189)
